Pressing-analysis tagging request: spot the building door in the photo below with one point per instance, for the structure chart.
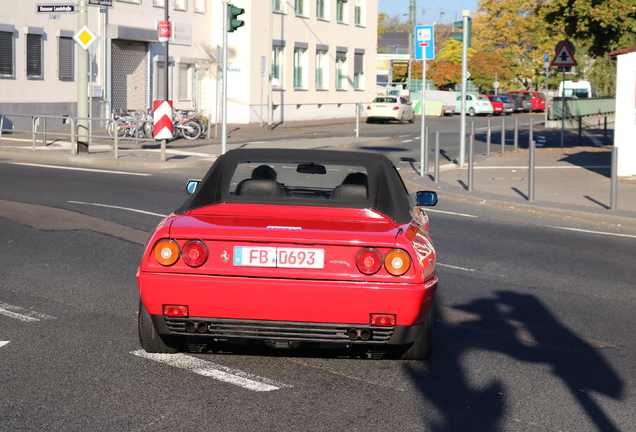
(129, 75)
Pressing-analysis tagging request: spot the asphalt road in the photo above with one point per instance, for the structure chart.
(534, 326)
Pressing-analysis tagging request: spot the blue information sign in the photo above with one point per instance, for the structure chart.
(424, 42)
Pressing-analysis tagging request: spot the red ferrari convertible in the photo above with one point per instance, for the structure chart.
(293, 247)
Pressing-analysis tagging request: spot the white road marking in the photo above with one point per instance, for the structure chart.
(541, 167)
(118, 207)
(455, 267)
(451, 213)
(596, 232)
(183, 153)
(80, 169)
(22, 314)
(213, 370)
(3, 343)
(405, 141)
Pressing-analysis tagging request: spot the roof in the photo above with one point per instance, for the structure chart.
(387, 193)
(393, 40)
(628, 50)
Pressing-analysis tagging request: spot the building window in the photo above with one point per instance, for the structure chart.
(321, 69)
(7, 54)
(184, 81)
(278, 5)
(277, 66)
(34, 55)
(300, 68)
(159, 3)
(65, 58)
(341, 11)
(358, 71)
(180, 5)
(300, 6)
(360, 12)
(321, 9)
(130, 1)
(199, 6)
(341, 71)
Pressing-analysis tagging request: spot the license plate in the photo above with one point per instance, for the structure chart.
(279, 257)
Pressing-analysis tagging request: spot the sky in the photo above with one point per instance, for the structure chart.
(429, 11)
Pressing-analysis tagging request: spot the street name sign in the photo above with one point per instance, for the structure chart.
(424, 42)
(50, 8)
(107, 3)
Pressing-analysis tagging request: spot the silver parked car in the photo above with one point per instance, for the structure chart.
(390, 108)
(508, 104)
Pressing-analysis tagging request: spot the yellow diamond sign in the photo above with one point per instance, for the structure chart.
(84, 37)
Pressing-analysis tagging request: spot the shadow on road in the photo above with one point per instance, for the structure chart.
(446, 382)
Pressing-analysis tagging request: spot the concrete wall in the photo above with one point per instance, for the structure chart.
(625, 130)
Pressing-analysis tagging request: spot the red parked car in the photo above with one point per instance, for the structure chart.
(536, 98)
(497, 104)
(289, 248)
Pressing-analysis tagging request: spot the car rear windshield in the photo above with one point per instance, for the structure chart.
(505, 99)
(385, 100)
(482, 98)
(495, 99)
(299, 180)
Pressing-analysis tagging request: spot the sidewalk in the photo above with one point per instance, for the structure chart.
(571, 181)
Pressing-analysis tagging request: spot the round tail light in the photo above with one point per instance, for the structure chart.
(369, 261)
(194, 253)
(397, 262)
(166, 252)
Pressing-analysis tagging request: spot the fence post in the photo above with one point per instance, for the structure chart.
(580, 129)
(471, 153)
(531, 172)
(503, 135)
(516, 133)
(614, 186)
(488, 135)
(436, 157)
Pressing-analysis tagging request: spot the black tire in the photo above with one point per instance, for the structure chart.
(150, 340)
(192, 130)
(149, 129)
(422, 347)
(402, 121)
(471, 112)
(412, 120)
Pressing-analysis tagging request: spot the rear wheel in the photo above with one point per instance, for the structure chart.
(192, 130)
(150, 340)
(402, 121)
(471, 112)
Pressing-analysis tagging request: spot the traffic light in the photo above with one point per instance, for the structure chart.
(460, 25)
(234, 12)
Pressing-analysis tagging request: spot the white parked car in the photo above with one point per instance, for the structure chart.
(390, 108)
(475, 104)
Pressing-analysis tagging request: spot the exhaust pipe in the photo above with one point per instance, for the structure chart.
(355, 334)
(193, 327)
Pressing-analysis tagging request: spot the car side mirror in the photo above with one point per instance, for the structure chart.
(192, 185)
(426, 198)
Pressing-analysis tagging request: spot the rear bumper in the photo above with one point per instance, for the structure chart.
(328, 333)
(244, 307)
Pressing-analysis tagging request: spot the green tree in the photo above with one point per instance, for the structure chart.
(443, 73)
(486, 68)
(452, 51)
(381, 25)
(600, 25)
(518, 35)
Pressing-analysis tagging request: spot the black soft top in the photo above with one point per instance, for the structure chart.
(386, 191)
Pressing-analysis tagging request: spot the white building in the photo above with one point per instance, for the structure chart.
(322, 54)
(625, 128)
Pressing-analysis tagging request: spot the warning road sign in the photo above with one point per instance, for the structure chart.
(564, 56)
